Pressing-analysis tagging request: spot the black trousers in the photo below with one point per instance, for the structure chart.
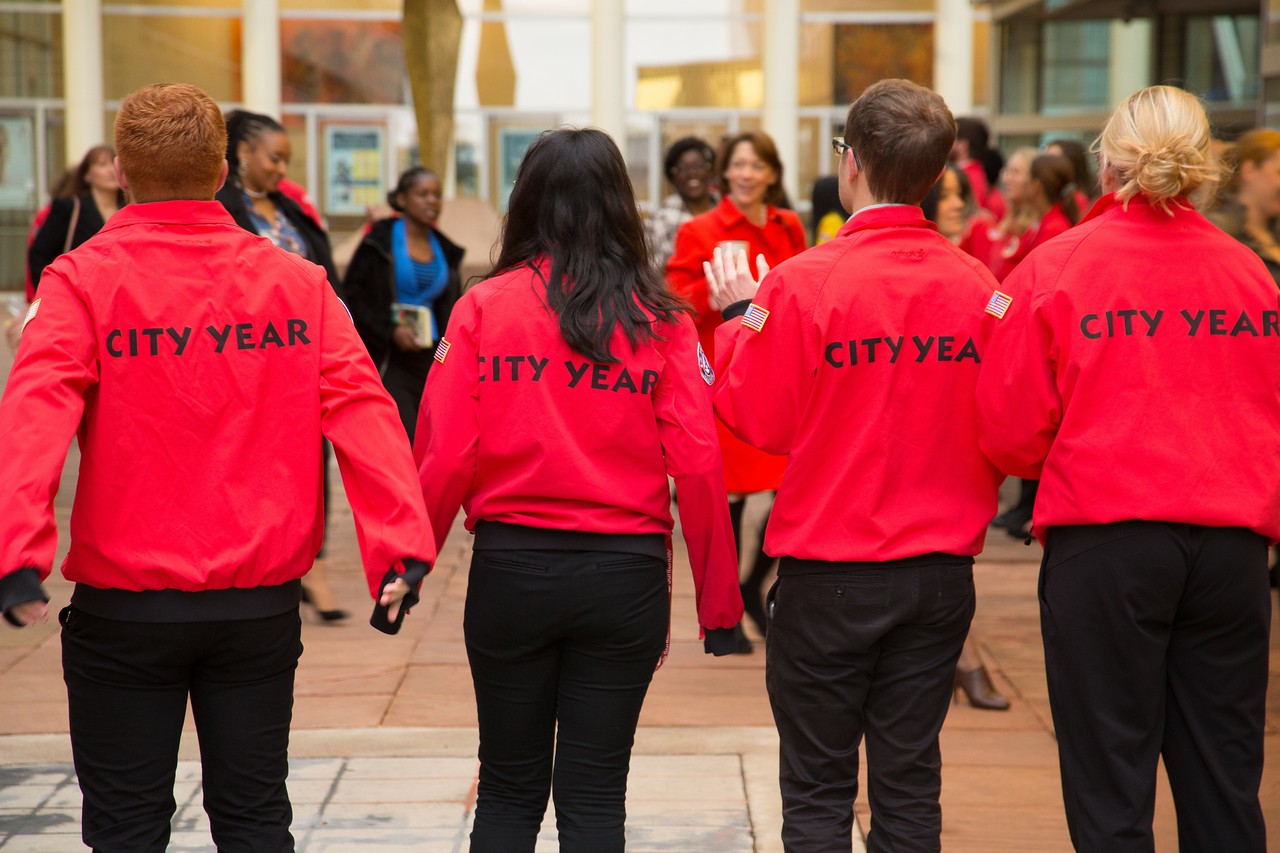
(865, 649)
(127, 690)
(562, 646)
(405, 377)
(1156, 640)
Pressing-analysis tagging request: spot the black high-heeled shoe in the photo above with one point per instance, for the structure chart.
(326, 615)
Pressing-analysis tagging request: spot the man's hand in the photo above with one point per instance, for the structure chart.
(729, 278)
(30, 612)
(392, 594)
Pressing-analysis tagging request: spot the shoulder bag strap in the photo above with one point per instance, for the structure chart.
(71, 228)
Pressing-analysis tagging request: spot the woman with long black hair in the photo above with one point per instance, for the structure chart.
(568, 386)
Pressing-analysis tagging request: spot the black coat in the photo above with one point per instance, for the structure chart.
(317, 240)
(370, 288)
(52, 235)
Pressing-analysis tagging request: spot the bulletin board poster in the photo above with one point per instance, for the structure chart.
(354, 177)
(17, 163)
(512, 145)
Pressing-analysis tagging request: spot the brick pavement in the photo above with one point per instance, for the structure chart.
(384, 732)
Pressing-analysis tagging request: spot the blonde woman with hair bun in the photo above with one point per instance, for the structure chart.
(1125, 356)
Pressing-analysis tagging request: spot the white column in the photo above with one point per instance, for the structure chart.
(82, 76)
(1129, 68)
(781, 27)
(260, 66)
(953, 54)
(608, 49)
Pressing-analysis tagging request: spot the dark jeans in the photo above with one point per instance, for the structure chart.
(1156, 639)
(562, 646)
(865, 649)
(127, 689)
(404, 377)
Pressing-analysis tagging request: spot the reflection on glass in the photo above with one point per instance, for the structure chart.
(865, 53)
(31, 55)
(1220, 58)
(342, 62)
(138, 50)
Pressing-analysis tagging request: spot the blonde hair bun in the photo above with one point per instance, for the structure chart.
(1158, 143)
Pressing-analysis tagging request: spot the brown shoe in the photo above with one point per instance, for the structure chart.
(976, 685)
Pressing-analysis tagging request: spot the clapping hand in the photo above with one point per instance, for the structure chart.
(729, 278)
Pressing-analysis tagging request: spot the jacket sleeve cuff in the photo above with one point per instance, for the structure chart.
(719, 641)
(18, 588)
(737, 309)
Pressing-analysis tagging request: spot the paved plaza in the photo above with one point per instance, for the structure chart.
(384, 742)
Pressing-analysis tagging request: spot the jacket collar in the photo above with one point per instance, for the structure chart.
(891, 216)
(1109, 202)
(170, 213)
(729, 214)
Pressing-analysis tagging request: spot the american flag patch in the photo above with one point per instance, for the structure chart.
(755, 317)
(442, 350)
(999, 304)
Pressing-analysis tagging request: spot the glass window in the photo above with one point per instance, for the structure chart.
(1220, 58)
(1075, 72)
(703, 62)
(707, 9)
(1019, 67)
(846, 6)
(342, 62)
(30, 55)
(341, 5)
(138, 50)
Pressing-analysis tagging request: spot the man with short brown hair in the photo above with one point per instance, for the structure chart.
(857, 360)
(199, 366)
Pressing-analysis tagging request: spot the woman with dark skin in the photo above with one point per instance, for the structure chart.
(689, 166)
(404, 261)
(258, 155)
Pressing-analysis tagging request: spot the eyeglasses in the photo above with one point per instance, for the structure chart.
(840, 146)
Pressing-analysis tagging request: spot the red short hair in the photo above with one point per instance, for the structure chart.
(171, 141)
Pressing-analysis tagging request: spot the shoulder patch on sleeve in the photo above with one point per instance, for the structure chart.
(999, 304)
(704, 367)
(31, 313)
(755, 317)
(442, 350)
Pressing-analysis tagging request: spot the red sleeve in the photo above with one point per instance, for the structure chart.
(684, 271)
(361, 421)
(447, 435)
(57, 364)
(1019, 406)
(686, 428)
(765, 375)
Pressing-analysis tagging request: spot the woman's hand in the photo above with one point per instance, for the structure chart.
(729, 278)
(392, 594)
(404, 338)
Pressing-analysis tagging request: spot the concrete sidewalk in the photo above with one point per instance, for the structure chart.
(384, 739)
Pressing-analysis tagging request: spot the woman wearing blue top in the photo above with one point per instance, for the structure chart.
(402, 262)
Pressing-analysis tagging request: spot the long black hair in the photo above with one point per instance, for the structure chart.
(573, 203)
(242, 126)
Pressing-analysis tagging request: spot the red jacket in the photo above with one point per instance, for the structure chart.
(745, 468)
(1137, 375)
(1008, 252)
(200, 366)
(518, 428)
(863, 371)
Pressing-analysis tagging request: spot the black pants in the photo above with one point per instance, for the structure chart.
(1156, 640)
(567, 639)
(405, 377)
(127, 689)
(865, 649)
